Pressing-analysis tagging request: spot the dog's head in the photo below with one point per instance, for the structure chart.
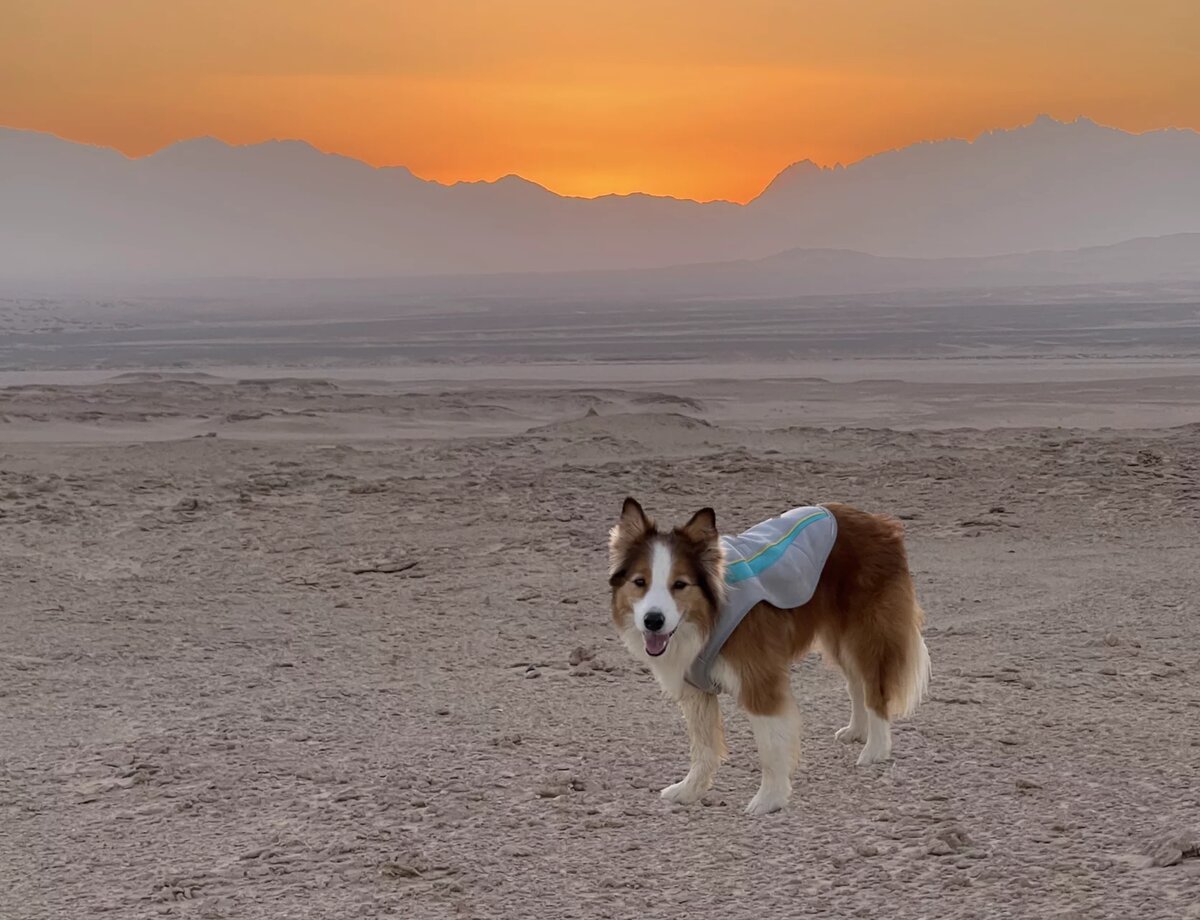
(664, 581)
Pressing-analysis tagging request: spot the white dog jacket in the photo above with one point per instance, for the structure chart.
(778, 561)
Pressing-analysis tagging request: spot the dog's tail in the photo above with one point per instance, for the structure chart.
(912, 677)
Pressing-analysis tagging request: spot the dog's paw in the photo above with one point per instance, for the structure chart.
(874, 754)
(765, 802)
(850, 734)
(684, 792)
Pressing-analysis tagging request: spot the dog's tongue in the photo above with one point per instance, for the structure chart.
(656, 643)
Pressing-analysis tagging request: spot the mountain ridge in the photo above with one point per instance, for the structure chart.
(1040, 121)
(284, 207)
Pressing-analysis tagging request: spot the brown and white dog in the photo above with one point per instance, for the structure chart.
(667, 590)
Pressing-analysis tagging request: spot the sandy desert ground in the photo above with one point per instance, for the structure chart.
(334, 643)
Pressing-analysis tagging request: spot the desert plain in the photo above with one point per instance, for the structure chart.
(306, 615)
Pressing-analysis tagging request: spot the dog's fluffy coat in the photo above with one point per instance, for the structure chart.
(864, 617)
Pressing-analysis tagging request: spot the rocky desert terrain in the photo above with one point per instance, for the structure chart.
(335, 643)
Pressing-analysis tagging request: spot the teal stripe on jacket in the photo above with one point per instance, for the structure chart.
(765, 558)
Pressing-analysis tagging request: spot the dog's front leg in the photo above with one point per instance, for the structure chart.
(706, 739)
(776, 728)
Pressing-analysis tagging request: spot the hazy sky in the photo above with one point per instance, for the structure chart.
(695, 98)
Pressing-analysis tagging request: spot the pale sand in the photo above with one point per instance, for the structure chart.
(205, 712)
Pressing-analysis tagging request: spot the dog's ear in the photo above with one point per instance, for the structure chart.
(702, 528)
(632, 527)
(701, 532)
(633, 519)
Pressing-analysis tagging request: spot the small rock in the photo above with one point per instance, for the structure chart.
(1174, 849)
(398, 870)
(532, 673)
(392, 567)
(1111, 639)
(950, 840)
(867, 849)
(562, 782)
(187, 504)
(579, 655)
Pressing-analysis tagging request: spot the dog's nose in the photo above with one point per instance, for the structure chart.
(654, 620)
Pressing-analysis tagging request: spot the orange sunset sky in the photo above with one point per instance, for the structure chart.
(699, 99)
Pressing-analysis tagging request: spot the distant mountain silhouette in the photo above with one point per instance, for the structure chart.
(1048, 185)
(1167, 261)
(1163, 268)
(203, 208)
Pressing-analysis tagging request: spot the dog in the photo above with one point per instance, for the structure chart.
(670, 590)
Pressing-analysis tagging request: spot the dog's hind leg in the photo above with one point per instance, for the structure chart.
(706, 739)
(777, 733)
(879, 739)
(857, 729)
(879, 728)
(901, 672)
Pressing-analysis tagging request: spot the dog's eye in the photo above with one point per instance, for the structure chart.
(640, 582)
(679, 585)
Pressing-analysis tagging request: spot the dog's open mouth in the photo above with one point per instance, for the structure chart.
(656, 643)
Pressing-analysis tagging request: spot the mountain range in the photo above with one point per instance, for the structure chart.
(205, 209)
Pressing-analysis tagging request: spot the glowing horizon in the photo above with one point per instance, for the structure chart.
(493, 179)
(699, 100)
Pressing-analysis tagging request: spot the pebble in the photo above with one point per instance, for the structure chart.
(579, 655)
(399, 870)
